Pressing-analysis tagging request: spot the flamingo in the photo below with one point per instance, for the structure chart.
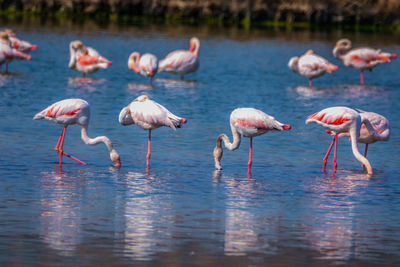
(75, 111)
(20, 45)
(147, 64)
(86, 59)
(311, 66)
(345, 121)
(7, 53)
(247, 122)
(380, 130)
(182, 62)
(363, 58)
(149, 115)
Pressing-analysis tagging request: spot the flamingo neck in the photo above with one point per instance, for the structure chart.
(354, 138)
(195, 47)
(100, 139)
(134, 62)
(384, 136)
(339, 52)
(231, 146)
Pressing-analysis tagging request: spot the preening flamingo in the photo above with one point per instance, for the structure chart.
(149, 115)
(246, 122)
(7, 53)
(19, 45)
(380, 130)
(86, 59)
(182, 62)
(146, 65)
(75, 111)
(363, 58)
(311, 66)
(342, 120)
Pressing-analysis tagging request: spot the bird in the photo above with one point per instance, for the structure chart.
(146, 65)
(149, 115)
(246, 122)
(341, 120)
(380, 130)
(86, 59)
(20, 45)
(7, 52)
(75, 111)
(311, 65)
(182, 62)
(363, 58)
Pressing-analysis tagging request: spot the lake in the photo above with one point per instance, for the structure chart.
(182, 211)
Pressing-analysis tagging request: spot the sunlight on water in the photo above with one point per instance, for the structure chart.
(181, 211)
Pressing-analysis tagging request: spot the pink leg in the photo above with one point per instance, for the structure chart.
(362, 78)
(334, 154)
(148, 150)
(60, 148)
(250, 157)
(151, 80)
(181, 77)
(56, 148)
(325, 160)
(365, 154)
(310, 82)
(72, 157)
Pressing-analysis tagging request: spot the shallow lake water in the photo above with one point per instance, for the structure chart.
(183, 212)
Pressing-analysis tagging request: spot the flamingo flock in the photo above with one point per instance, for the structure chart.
(359, 126)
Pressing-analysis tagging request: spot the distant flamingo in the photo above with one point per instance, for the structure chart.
(311, 66)
(148, 115)
(86, 59)
(7, 53)
(75, 111)
(20, 45)
(182, 62)
(363, 58)
(341, 120)
(380, 130)
(247, 122)
(146, 65)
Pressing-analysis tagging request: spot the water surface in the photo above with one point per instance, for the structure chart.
(183, 212)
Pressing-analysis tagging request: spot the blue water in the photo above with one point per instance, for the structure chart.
(183, 212)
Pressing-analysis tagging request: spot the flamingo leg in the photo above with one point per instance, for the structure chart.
(362, 78)
(6, 67)
(59, 148)
(365, 154)
(151, 80)
(310, 83)
(181, 77)
(325, 160)
(334, 154)
(250, 157)
(61, 144)
(148, 150)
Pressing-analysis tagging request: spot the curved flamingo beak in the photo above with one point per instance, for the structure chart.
(191, 49)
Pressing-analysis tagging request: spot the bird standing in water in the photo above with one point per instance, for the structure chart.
(75, 111)
(246, 122)
(363, 58)
(149, 115)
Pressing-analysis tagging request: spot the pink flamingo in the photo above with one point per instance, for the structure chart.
(86, 59)
(146, 65)
(182, 62)
(247, 122)
(311, 66)
(363, 58)
(75, 111)
(20, 45)
(149, 115)
(380, 130)
(7, 53)
(342, 120)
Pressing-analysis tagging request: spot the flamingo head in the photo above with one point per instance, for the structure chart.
(293, 64)
(344, 43)
(194, 45)
(142, 98)
(115, 158)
